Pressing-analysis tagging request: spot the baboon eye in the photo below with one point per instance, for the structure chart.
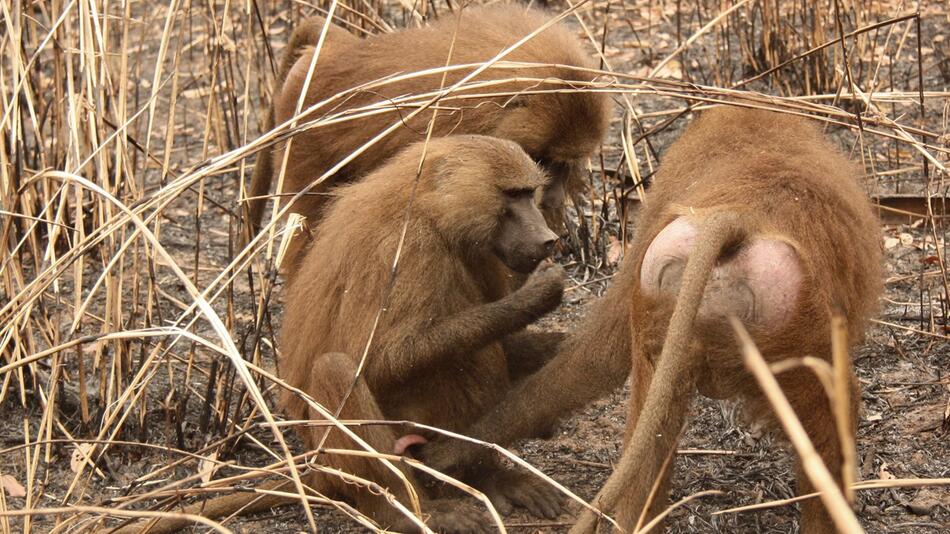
(519, 193)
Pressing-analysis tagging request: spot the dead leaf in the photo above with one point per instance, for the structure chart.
(891, 242)
(11, 486)
(673, 69)
(198, 92)
(80, 454)
(614, 250)
(884, 474)
(207, 467)
(925, 501)
(925, 418)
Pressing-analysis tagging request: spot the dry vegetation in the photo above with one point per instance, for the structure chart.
(136, 337)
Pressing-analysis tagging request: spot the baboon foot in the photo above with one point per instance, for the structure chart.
(508, 488)
(450, 516)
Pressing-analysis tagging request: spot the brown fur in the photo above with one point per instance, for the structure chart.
(450, 341)
(558, 130)
(775, 175)
(307, 34)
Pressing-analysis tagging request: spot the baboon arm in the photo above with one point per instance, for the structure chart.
(591, 363)
(585, 369)
(458, 335)
(526, 352)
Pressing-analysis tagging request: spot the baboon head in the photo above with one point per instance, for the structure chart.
(481, 196)
(560, 131)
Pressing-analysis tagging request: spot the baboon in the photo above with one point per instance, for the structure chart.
(760, 219)
(450, 338)
(558, 130)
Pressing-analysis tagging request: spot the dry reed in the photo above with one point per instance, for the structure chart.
(134, 329)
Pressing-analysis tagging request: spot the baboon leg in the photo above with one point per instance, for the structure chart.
(527, 352)
(259, 187)
(332, 375)
(812, 407)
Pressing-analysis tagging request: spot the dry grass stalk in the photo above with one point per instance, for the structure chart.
(842, 403)
(838, 507)
(125, 304)
(863, 485)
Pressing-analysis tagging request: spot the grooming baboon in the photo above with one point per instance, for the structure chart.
(763, 208)
(559, 130)
(449, 341)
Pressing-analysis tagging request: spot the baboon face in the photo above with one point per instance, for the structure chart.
(481, 195)
(757, 280)
(560, 132)
(523, 238)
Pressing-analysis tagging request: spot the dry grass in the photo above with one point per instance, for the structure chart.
(131, 322)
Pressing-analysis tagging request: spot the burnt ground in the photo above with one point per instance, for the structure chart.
(903, 430)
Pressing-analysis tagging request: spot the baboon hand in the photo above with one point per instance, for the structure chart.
(543, 290)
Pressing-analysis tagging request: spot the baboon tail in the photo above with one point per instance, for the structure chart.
(245, 503)
(672, 387)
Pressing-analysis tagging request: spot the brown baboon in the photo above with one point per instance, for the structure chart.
(758, 204)
(450, 339)
(559, 130)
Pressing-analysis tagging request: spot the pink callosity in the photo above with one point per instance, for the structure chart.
(759, 282)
